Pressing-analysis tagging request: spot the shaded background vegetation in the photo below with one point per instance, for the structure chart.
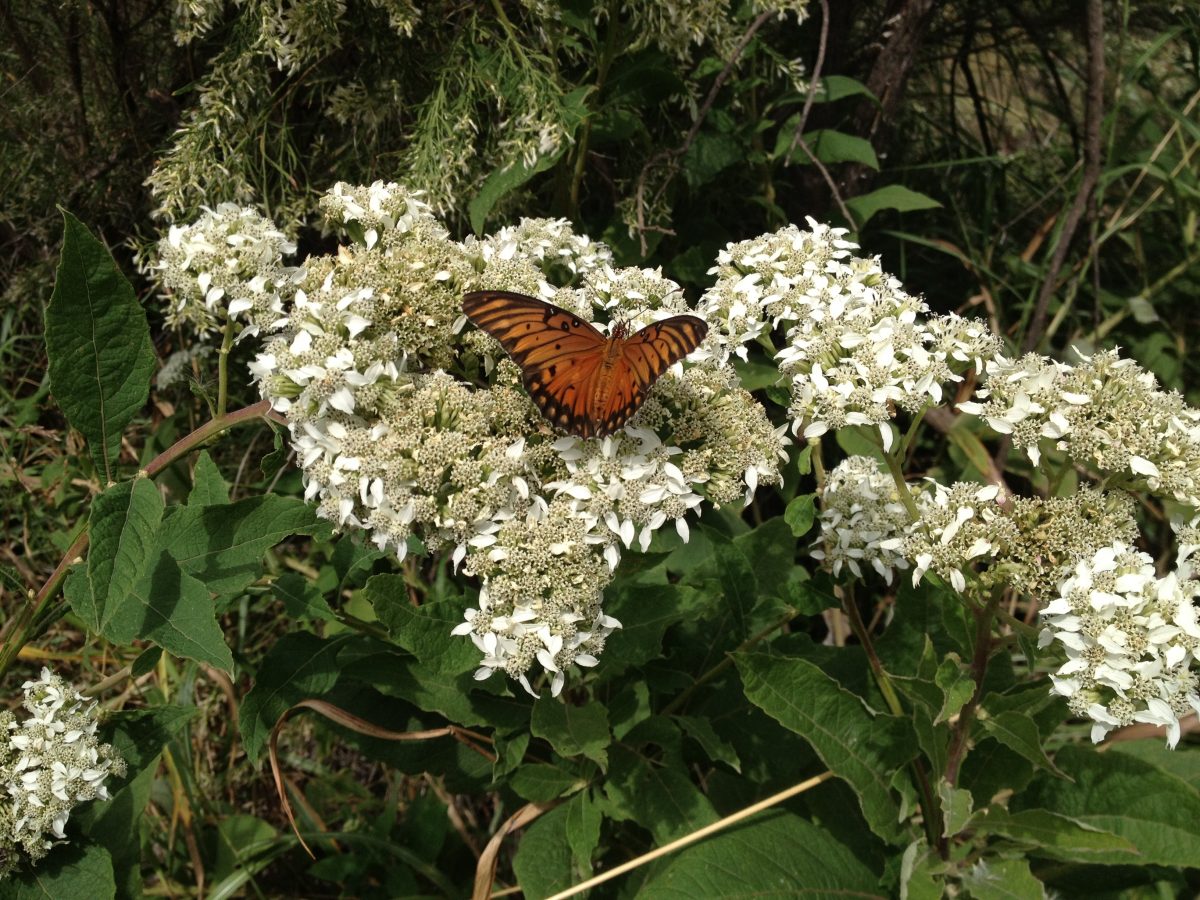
(667, 149)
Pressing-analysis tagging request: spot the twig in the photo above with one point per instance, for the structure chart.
(1091, 172)
(798, 136)
(670, 157)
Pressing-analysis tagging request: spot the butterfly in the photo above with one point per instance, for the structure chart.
(583, 381)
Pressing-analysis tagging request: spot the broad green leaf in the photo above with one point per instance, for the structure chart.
(771, 547)
(542, 862)
(800, 513)
(1130, 798)
(462, 700)
(124, 524)
(1183, 763)
(862, 747)
(1047, 833)
(1003, 879)
(424, 631)
(583, 829)
(542, 782)
(829, 146)
(715, 747)
(739, 587)
(1018, 732)
(72, 871)
(710, 154)
(774, 854)
(97, 344)
(835, 87)
(301, 599)
(661, 798)
(145, 662)
(894, 196)
(298, 666)
(208, 487)
(573, 730)
(223, 546)
(646, 611)
(175, 611)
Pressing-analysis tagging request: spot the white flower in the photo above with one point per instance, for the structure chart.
(1130, 642)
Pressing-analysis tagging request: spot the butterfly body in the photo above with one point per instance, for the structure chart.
(583, 381)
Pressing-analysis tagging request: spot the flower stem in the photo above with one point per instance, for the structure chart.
(223, 369)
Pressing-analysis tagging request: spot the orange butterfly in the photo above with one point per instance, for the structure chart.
(584, 382)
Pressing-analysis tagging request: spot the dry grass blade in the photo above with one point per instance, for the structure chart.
(362, 726)
(485, 870)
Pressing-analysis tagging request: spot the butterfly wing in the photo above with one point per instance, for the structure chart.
(558, 352)
(644, 356)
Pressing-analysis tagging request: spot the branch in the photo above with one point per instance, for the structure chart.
(1091, 172)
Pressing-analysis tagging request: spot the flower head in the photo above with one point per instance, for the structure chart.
(50, 762)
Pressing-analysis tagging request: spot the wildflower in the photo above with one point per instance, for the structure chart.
(228, 265)
(1131, 639)
(49, 763)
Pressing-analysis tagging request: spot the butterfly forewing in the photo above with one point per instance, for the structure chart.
(583, 382)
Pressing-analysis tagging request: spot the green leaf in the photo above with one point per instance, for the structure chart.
(145, 662)
(573, 730)
(424, 631)
(835, 87)
(661, 798)
(956, 807)
(175, 611)
(800, 513)
(236, 834)
(1003, 879)
(957, 686)
(583, 829)
(542, 782)
(124, 525)
(138, 736)
(1126, 796)
(70, 872)
(542, 862)
(862, 747)
(715, 747)
(894, 196)
(775, 854)
(829, 146)
(208, 487)
(300, 665)
(919, 868)
(301, 599)
(510, 752)
(1047, 833)
(223, 546)
(97, 344)
(710, 154)
(1018, 732)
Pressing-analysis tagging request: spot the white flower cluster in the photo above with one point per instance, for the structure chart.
(858, 345)
(1131, 640)
(863, 520)
(964, 532)
(380, 387)
(227, 265)
(49, 763)
(1106, 410)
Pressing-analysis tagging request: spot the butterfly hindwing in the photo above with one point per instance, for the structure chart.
(645, 355)
(583, 382)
